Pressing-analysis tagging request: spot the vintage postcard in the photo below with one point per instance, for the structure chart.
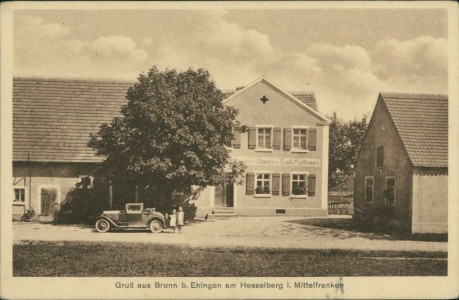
(229, 150)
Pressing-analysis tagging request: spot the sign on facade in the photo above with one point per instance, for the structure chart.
(279, 161)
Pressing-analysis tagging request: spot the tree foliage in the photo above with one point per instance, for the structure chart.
(171, 134)
(345, 140)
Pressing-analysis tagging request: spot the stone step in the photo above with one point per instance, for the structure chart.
(221, 212)
(221, 216)
(223, 208)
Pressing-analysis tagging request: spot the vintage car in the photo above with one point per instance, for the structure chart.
(134, 217)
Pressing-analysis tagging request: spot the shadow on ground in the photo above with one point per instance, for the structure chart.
(348, 228)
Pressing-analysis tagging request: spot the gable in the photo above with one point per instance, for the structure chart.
(381, 132)
(279, 107)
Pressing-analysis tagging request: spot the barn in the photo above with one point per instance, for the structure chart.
(401, 173)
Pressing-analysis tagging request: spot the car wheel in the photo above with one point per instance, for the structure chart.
(156, 226)
(102, 225)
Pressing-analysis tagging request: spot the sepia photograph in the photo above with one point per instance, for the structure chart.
(258, 150)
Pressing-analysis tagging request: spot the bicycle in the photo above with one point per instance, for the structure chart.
(29, 216)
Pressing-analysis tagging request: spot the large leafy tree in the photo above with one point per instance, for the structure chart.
(171, 135)
(345, 140)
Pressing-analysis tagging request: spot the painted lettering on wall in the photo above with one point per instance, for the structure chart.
(279, 161)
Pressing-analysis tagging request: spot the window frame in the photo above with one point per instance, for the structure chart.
(24, 194)
(372, 192)
(298, 149)
(385, 189)
(264, 149)
(91, 178)
(376, 156)
(134, 211)
(305, 195)
(270, 173)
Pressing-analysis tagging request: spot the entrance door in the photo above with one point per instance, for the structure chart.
(223, 196)
(48, 196)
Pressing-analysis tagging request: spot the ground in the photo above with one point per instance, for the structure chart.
(269, 232)
(243, 246)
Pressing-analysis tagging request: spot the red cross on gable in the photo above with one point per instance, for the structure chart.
(264, 99)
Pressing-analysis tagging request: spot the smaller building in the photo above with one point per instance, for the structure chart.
(401, 173)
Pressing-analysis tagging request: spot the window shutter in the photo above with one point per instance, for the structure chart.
(276, 184)
(252, 138)
(285, 184)
(287, 138)
(277, 138)
(249, 183)
(312, 139)
(311, 185)
(237, 140)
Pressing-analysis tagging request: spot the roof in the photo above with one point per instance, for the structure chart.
(53, 118)
(422, 123)
(307, 98)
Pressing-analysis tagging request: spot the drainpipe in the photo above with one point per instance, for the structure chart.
(30, 181)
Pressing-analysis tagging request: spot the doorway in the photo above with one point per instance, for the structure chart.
(48, 198)
(224, 195)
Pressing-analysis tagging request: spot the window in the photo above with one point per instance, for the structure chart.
(19, 194)
(369, 189)
(235, 142)
(380, 157)
(264, 138)
(134, 208)
(389, 191)
(299, 139)
(299, 184)
(263, 184)
(85, 181)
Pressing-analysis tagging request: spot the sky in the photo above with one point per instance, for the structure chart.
(345, 56)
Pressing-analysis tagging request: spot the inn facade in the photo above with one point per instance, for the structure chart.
(285, 147)
(286, 151)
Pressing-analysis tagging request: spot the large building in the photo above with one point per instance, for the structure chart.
(285, 148)
(286, 151)
(402, 168)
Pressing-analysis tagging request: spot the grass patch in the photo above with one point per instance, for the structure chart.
(103, 259)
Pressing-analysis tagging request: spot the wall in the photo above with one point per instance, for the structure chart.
(281, 112)
(382, 132)
(430, 202)
(63, 176)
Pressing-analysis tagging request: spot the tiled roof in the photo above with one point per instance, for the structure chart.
(422, 122)
(53, 118)
(307, 98)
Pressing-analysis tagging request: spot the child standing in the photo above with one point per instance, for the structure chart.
(180, 219)
(173, 220)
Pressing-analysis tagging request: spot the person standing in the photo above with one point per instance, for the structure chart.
(173, 220)
(180, 219)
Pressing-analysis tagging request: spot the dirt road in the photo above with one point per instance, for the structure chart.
(269, 232)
